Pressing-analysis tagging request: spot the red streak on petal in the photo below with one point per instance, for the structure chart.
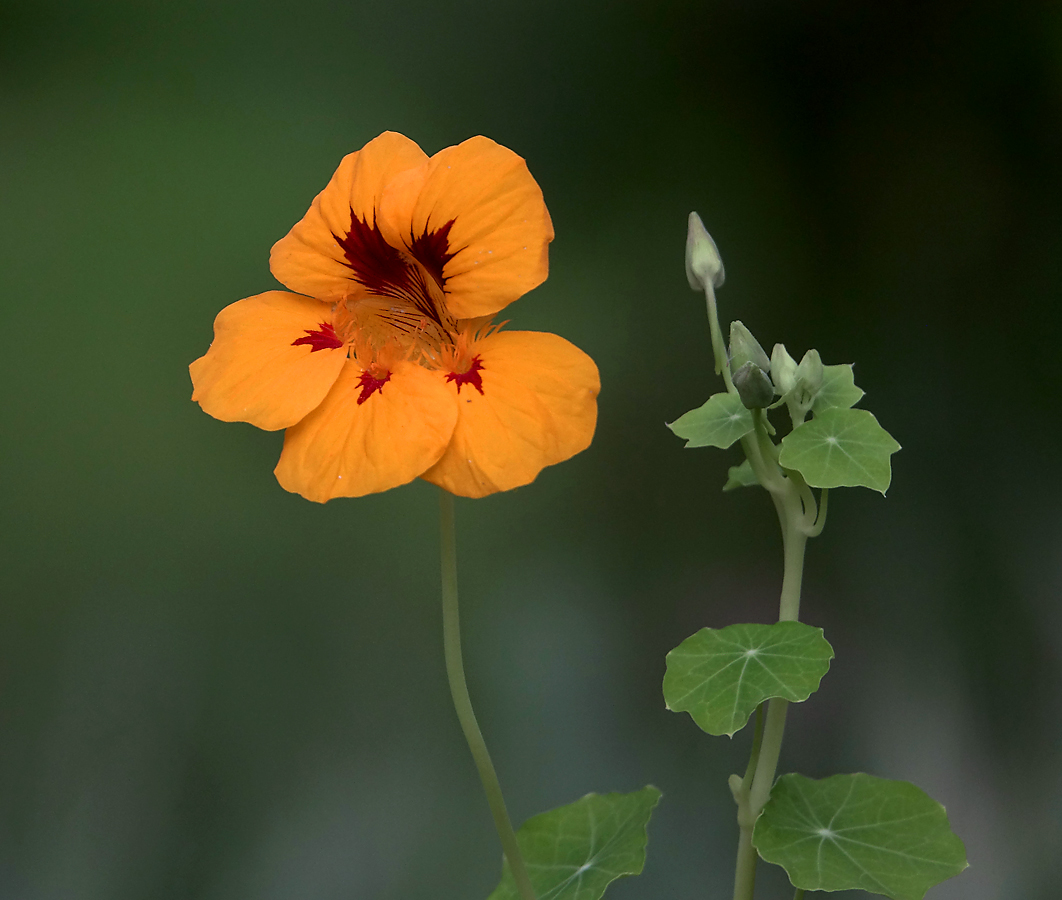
(432, 250)
(375, 264)
(323, 338)
(471, 377)
(370, 384)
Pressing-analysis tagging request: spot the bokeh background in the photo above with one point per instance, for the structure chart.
(212, 689)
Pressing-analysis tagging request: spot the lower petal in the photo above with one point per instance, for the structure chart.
(538, 407)
(255, 371)
(368, 435)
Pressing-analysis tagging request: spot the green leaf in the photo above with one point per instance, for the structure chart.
(719, 676)
(575, 851)
(740, 476)
(856, 831)
(841, 448)
(720, 422)
(838, 389)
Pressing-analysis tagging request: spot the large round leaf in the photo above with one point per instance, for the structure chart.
(841, 448)
(575, 851)
(851, 832)
(719, 676)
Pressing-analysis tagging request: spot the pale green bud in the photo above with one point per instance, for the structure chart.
(745, 348)
(753, 386)
(704, 265)
(783, 369)
(810, 372)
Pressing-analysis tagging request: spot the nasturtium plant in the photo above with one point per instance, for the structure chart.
(720, 422)
(574, 852)
(848, 831)
(841, 448)
(857, 831)
(719, 676)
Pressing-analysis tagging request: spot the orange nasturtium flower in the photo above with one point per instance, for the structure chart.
(384, 365)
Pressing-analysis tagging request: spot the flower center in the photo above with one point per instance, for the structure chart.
(405, 286)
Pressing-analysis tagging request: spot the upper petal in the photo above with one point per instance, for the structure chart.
(538, 407)
(254, 372)
(473, 215)
(311, 258)
(347, 448)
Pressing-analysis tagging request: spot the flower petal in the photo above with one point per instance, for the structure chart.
(347, 448)
(473, 214)
(255, 372)
(310, 258)
(538, 407)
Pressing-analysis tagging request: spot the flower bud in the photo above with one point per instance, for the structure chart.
(745, 348)
(783, 369)
(753, 386)
(810, 372)
(704, 265)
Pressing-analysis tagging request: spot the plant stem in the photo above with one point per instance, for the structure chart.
(799, 895)
(455, 673)
(753, 797)
(722, 360)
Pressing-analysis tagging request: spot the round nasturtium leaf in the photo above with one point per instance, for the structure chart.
(720, 422)
(574, 852)
(841, 448)
(851, 832)
(720, 675)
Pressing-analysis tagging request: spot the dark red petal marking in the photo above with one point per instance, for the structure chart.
(432, 250)
(385, 271)
(471, 377)
(376, 265)
(323, 338)
(370, 384)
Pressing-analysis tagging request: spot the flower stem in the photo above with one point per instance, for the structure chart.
(722, 360)
(455, 673)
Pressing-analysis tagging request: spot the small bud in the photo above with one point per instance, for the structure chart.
(783, 369)
(735, 782)
(753, 386)
(745, 348)
(810, 372)
(704, 265)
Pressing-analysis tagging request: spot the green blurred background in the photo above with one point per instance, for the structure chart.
(212, 689)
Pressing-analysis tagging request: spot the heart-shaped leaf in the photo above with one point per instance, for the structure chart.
(575, 851)
(718, 423)
(719, 676)
(852, 832)
(841, 448)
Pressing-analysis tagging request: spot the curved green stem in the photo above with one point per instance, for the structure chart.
(455, 673)
(722, 360)
(753, 797)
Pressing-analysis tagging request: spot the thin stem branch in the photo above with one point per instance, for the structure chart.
(754, 755)
(722, 360)
(455, 673)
